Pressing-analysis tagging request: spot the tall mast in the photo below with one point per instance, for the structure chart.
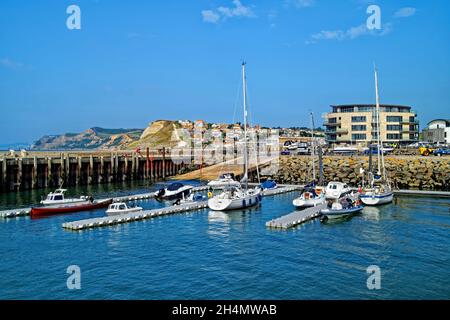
(313, 148)
(244, 89)
(378, 122)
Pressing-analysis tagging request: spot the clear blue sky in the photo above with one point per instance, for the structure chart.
(137, 61)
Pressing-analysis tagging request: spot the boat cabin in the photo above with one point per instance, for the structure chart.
(118, 206)
(58, 195)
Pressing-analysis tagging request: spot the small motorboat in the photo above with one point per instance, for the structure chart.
(336, 190)
(115, 209)
(341, 208)
(269, 185)
(311, 196)
(224, 181)
(58, 197)
(70, 207)
(174, 191)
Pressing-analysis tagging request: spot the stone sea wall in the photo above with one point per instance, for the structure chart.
(405, 172)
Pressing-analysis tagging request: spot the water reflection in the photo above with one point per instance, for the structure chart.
(371, 213)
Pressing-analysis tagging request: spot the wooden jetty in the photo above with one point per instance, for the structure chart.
(295, 218)
(33, 169)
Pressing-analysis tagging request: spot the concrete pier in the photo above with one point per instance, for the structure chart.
(32, 170)
(295, 218)
(134, 216)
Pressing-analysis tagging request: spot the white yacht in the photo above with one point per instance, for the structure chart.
(238, 197)
(378, 191)
(58, 197)
(311, 195)
(224, 181)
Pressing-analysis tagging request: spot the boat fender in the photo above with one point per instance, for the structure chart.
(210, 194)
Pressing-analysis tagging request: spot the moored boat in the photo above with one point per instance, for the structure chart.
(121, 208)
(174, 191)
(311, 196)
(235, 198)
(58, 197)
(339, 208)
(238, 197)
(224, 181)
(336, 190)
(379, 190)
(70, 208)
(269, 185)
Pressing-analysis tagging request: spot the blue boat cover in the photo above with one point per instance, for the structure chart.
(268, 184)
(175, 186)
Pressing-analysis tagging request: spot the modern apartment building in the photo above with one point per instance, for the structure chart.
(437, 131)
(356, 124)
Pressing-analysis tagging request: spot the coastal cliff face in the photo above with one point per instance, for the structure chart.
(160, 133)
(425, 173)
(93, 138)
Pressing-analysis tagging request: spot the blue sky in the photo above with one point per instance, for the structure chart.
(134, 61)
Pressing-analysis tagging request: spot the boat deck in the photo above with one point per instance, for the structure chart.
(295, 218)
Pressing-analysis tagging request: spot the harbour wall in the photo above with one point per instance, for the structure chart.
(405, 172)
(32, 170)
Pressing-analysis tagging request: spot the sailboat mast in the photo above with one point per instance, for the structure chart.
(313, 148)
(378, 121)
(244, 89)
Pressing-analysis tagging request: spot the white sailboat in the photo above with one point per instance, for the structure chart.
(379, 190)
(238, 197)
(311, 195)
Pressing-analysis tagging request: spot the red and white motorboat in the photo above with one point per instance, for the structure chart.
(58, 197)
(70, 208)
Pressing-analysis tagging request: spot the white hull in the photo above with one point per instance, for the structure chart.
(305, 203)
(373, 199)
(117, 212)
(218, 203)
(341, 213)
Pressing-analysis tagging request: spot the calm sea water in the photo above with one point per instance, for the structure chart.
(208, 255)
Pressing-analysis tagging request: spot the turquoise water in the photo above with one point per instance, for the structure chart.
(207, 255)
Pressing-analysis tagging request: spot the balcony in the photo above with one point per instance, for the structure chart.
(331, 124)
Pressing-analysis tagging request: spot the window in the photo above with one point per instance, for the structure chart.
(359, 128)
(358, 136)
(394, 119)
(364, 109)
(359, 119)
(393, 127)
(332, 120)
(58, 198)
(347, 109)
(393, 136)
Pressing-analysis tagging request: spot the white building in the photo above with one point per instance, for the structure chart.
(437, 131)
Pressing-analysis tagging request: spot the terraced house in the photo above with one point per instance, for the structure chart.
(356, 124)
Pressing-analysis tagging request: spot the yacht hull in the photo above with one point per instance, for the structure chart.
(372, 199)
(219, 204)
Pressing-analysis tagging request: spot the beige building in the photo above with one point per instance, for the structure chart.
(356, 124)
